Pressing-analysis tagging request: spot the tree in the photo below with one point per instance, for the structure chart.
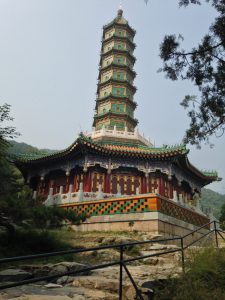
(222, 217)
(7, 132)
(8, 175)
(204, 65)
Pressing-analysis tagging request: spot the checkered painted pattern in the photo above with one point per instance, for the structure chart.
(178, 212)
(114, 207)
(138, 205)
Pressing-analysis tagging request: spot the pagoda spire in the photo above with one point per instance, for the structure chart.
(120, 10)
(115, 92)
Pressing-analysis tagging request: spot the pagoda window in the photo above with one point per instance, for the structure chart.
(119, 125)
(119, 75)
(118, 91)
(119, 60)
(118, 108)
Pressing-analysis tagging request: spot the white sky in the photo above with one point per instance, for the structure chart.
(49, 56)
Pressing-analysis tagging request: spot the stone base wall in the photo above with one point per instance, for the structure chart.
(146, 213)
(155, 223)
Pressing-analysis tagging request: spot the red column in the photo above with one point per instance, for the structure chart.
(143, 184)
(107, 183)
(161, 186)
(87, 182)
(147, 182)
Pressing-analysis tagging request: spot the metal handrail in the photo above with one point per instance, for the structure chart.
(74, 251)
(121, 262)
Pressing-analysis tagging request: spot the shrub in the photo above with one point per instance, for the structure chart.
(24, 242)
(204, 280)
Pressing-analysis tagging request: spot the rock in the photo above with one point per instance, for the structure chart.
(63, 280)
(3, 230)
(14, 275)
(108, 241)
(55, 269)
(157, 247)
(150, 237)
(74, 266)
(53, 285)
(117, 240)
(37, 270)
(58, 269)
(97, 282)
(99, 239)
(153, 261)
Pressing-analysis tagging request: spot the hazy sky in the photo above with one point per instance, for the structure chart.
(49, 56)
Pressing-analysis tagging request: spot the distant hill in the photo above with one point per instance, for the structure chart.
(213, 200)
(25, 149)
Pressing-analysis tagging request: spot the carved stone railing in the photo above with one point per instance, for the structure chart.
(125, 134)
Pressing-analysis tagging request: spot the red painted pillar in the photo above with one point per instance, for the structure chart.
(107, 183)
(87, 182)
(161, 186)
(147, 182)
(143, 184)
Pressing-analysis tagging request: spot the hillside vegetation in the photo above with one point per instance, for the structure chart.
(213, 200)
(25, 149)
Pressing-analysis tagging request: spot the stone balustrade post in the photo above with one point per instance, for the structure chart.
(180, 197)
(80, 194)
(137, 191)
(61, 190)
(175, 197)
(118, 190)
(100, 193)
(34, 197)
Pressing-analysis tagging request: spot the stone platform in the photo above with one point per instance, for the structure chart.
(147, 213)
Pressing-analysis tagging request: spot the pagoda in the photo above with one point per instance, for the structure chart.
(114, 174)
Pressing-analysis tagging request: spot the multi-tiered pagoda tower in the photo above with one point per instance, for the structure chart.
(158, 186)
(115, 94)
(115, 105)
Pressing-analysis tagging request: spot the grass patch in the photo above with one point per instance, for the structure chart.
(204, 279)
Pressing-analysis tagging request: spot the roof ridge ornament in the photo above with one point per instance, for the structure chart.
(120, 10)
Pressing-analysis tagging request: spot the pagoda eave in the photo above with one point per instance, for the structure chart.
(119, 66)
(123, 26)
(123, 99)
(117, 51)
(117, 81)
(123, 116)
(120, 39)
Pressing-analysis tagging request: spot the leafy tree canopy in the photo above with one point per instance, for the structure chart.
(10, 178)
(6, 132)
(204, 65)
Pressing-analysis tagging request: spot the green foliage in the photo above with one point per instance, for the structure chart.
(6, 132)
(204, 280)
(24, 242)
(213, 200)
(222, 217)
(204, 65)
(16, 148)
(9, 177)
(21, 207)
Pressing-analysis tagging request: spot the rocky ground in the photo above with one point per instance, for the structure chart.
(98, 284)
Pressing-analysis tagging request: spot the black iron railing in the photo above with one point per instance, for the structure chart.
(203, 231)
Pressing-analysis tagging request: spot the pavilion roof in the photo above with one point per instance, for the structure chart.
(120, 149)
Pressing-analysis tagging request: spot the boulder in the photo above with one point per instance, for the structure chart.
(97, 282)
(53, 285)
(3, 230)
(14, 275)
